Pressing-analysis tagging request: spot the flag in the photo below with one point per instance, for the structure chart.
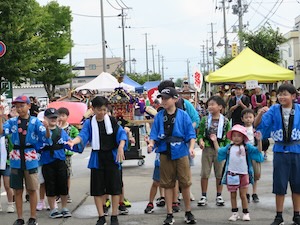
(198, 80)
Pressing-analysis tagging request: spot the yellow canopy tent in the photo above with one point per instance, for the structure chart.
(248, 65)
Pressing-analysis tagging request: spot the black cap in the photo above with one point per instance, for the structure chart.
(239, 86)
(168, 92)
(51, 113)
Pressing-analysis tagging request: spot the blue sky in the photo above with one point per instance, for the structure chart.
(177, 28)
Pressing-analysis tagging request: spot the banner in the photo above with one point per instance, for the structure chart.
(198, 80)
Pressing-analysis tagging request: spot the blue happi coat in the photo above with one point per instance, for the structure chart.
(59, 154)
(86, 137)
(36, 135)
(183, 129)
(271, 126)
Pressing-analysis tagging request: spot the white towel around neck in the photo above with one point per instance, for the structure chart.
(3, 154)
(220, 125)
(95, 131)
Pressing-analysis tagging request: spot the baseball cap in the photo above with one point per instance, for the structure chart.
(168, 92)
(239, 86)
(21, 99)
(51, 113)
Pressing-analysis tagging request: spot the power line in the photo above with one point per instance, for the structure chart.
(112, 5)
(123, 4)
(92, 16)
(265, 19)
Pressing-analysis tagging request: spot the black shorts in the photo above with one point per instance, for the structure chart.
(107, 179)
(56, 178)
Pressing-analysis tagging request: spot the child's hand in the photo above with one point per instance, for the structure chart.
(213, 137)
(201, 144)
(46, 124)
(192, 153)
(120, 155)
(150, 147)
(70, 143)
(262, 110)
(258, 135)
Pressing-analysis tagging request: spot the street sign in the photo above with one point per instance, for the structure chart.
(234, 50)
(2, 49)
(7, 87)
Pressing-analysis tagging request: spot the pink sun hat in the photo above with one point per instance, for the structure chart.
(239, 128)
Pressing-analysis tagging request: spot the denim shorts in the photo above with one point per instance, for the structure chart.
(6, 172)
(156, 174)
(286, 169)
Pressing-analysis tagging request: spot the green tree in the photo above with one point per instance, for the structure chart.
(179, 82)
(223, 61)
(19, 25)
(142, 78)
(265, 42)
(56, 35)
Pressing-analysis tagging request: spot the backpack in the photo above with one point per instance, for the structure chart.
(180, 104)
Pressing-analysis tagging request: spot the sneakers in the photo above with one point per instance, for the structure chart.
(55, 214)
(122, 209)
(41, 205)
(189, 218)
(246, 217)
(175, 207)
(248, 198)
(255, 198)
(192, 198)
(27, 198)
(114, 220)
(296, 220)
(66, 213)
(234, 217)
(169, 220)
(149, 208)
(219, 201)
(160, 202)
(127, 203)
(202, 201)
(278, 221)
(10, 207)
(19, 222)
(101, 221)
(32, 221)
(69, 199)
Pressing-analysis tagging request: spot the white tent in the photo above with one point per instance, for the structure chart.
(104, 82)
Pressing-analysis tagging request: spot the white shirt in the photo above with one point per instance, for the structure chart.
(286, 117)
(237, 160)
(250, 135)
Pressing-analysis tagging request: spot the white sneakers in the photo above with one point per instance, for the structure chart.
(220, 201)
(235, 216)
(41, 205)
(246, 217)
(10, 207)
(202, 201)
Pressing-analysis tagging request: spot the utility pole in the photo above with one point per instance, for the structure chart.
(129, 55)
(146, 41)
(162, 68)
(70, 60)
(123, 37)
(188, 70)
(225, 29)
(213, 46)
(207, 57)
(240, 9)
(103, 37)
(203, 59)
(158, 61)
(152, 47)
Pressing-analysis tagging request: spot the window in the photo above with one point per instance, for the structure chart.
(92, 66)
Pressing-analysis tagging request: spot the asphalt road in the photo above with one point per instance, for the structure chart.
(137, 181)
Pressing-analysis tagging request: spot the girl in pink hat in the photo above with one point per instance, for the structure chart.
(238, 172)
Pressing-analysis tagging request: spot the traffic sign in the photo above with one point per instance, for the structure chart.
(2, 49)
